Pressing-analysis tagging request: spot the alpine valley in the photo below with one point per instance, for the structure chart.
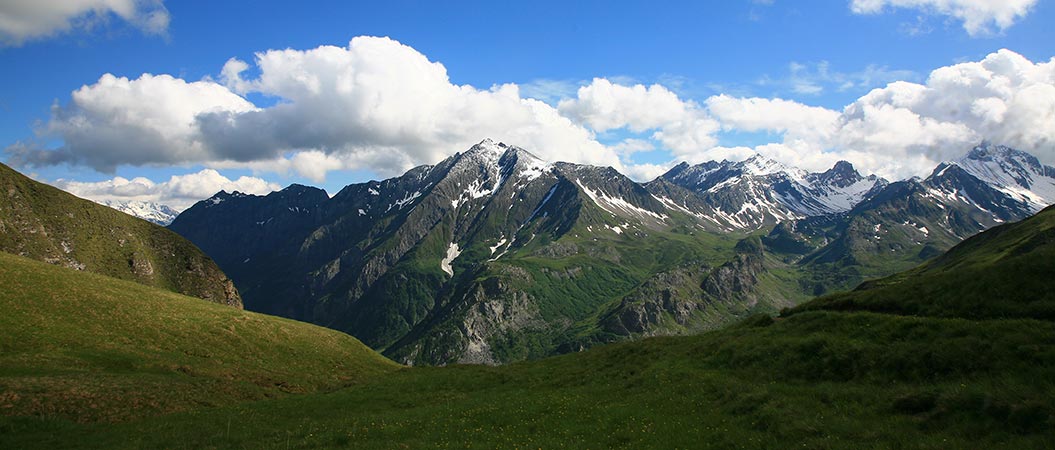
(493, 255)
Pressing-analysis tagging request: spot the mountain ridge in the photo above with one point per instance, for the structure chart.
(493, 255)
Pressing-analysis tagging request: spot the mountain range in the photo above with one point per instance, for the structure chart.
(493, 255)
(955, 353)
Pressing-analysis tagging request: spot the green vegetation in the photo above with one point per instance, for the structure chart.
(1005, 272)
(92, 348)
(47, 224)
(831, 374)
(813, 380)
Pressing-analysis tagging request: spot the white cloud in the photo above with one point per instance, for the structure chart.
(380, 106)
(22, 20)
(604, 106)
(314, 164)
(905, 129)
(376, 105)
(383, 105)
(646, 172)
(979, 17)
(148, 120)
(630, 146)
(179, 192)
(681, 126)
(763, 114)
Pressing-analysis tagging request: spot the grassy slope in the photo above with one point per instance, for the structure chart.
(813, 379)
(1005, 272)
(47, 224)
(816, 380)
(90, 347)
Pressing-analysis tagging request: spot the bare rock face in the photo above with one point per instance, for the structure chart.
(495, 311)
(675, 293)
(676, 302)
(141, 266)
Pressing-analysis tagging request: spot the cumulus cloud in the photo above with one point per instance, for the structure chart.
(646, 172)
(148, 120)
(604, 105)
(380, 106)
(22, 20)
(763, 114)
(178, 192)
(979, 17)
(681, 126)
(905, 129)
(376, 104)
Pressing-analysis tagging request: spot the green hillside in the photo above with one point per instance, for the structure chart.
(47, 224)
(92, 348)
(823, 376)
(1005, 272)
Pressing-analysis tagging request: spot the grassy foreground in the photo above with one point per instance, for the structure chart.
(91, 348)
(813, 380)
(833, 374)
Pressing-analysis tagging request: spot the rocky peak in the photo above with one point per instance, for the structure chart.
(841, 175)
(221, 197)
(693, 176)
(1017, 174)
(993, 162)
(676, 170)
(987, 151)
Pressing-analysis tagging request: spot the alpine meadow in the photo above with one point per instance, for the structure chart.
(745, 224)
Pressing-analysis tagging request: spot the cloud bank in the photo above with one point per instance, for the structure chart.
(381, 106)
(904, 129)
(179, 192)
(24, 20)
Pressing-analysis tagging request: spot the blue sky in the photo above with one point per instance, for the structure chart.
(822, 54)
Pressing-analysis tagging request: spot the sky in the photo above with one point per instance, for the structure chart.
(173, 101)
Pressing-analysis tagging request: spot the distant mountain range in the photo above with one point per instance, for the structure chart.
(150, 211)
(493, 255)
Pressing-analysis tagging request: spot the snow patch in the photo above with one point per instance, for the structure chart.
(452, 252)
(498, 245)
(407, 199)
(602, 200)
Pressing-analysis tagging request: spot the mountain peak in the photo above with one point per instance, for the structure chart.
(489, 145)
(759, 164)
(1016, 174)
(987, 151)
(842, 174)
(843, 167)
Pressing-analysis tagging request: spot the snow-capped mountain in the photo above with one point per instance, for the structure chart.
(757, 192)
(912, 220)
(149, 211)
(1015, 173)
(448, 262)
